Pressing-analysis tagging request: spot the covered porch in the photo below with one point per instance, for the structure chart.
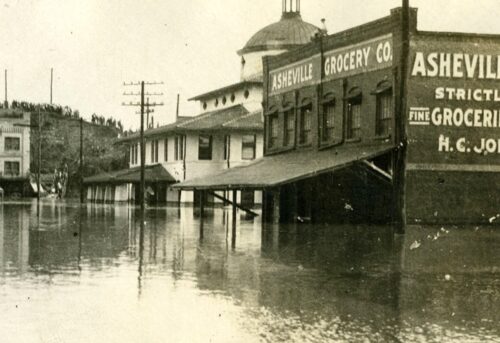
(348, 183)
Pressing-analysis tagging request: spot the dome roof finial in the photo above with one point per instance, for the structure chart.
(291, 6)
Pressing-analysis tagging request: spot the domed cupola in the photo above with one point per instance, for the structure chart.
(288, 33)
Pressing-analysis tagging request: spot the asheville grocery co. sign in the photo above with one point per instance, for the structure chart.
(454, 112)
(350, 60)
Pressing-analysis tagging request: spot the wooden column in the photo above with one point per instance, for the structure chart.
(276, 206)
(234, 209)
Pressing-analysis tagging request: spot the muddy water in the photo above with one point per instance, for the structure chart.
(96, 275)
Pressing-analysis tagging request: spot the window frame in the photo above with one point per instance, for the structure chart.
(305, 135)
(383, 123)
(208, 152)
(165, 149)
(227, 143)
(7, 146)
(272, 135)
(329, 101)
(289, 133)
(5, 169)
(252, 145)
(179, 152)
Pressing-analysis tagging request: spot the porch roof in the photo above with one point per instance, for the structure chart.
(153, 173)
(277, 170)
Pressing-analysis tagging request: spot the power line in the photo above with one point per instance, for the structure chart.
(142, 104)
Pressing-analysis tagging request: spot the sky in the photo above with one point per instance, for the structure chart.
(94, 46)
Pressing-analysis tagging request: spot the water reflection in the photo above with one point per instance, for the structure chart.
(112, 275)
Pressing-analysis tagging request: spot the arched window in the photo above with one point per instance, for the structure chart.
(305, 122)
(328, 117)
(385, 108)
(354, 99)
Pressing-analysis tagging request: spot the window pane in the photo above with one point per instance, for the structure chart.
(165, 151)
(226, 147)
(305, 124)
(205, 147)
(354, 121)
(248, 147)
(273, 130)
(384, 113)
(328, 121)
(12, 143)
(290, 127)
(11, 168)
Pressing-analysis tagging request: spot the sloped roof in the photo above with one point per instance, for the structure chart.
(227, 89)
(214, 120)
(153, 173)
(276, 170)
(249, 121)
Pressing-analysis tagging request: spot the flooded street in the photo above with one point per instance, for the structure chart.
(94, 275)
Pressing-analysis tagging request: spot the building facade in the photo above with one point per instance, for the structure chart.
(381, 122)
(14, 150)
(227, 131)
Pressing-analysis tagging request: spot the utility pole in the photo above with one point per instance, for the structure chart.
(177, 108)
(81, 160)
(6, 103)
(39, 154)
(142, 105)
(51, 83)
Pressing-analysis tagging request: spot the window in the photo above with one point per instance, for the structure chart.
(12, 144)
(11, 168)
(165, 149)
(328, 121)
(216, 102)
(154, 152)
(273, 130)
(205, 105)
(246, 94)
(205, 147)
(305, 124)
(179, 148)
(384, 113)
(134, 152)
(227, 142)
(289, 127)
(233, 97)
(354, 119)
(224, 100)
(248, 147)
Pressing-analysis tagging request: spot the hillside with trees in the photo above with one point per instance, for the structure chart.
(60, 142)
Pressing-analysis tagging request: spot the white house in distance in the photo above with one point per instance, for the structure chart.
(14, 150)
(227, 132)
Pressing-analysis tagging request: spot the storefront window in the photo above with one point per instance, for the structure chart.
(205, 147)
(248, 147)
(305, 124)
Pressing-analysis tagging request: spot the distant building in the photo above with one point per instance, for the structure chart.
(227, 132)
(14, 150)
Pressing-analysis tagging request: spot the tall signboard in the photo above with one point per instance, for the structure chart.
(453, 118)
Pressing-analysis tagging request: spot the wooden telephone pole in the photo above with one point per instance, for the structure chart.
(142, 105)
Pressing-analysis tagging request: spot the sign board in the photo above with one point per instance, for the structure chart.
(454, 103)
(351, 60)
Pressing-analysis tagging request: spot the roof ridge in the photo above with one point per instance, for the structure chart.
(207, 114)
(246, 115)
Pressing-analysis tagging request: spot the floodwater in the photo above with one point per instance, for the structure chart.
(93, 274)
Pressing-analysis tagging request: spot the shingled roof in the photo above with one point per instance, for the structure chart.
(277, 170)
